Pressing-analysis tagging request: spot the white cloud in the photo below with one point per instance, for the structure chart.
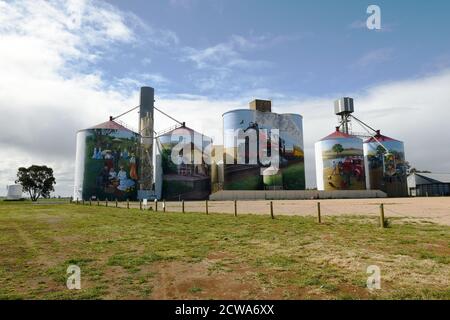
(362, 25)
(45, 94)
(231, 53)
(374, 57)
(217, 65)
(232, 64)
(212, 56)
(156, 36)
(136, 80)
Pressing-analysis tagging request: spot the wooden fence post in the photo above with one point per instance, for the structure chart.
(271, 210)
(182, 206)
(106, 202)
(140, 204)
(206, 206)
(117, 203)
(235, 208)
(319, 218)
(156, 205)
(382, 215)
(128, 203)
(164, 205)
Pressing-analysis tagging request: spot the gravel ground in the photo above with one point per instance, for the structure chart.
(433, 209)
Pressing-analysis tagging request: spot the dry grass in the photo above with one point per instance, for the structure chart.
(132, 254)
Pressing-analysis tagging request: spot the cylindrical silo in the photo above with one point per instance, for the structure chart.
(241, 169)
(14, 192)
(186, 175)
(254, 160)
(385, 165)
(291, 151)
(340, 162)
(106, 165)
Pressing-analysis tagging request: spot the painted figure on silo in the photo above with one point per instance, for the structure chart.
(186, 174)
(386, 165)
(343, 166)
(110, 164)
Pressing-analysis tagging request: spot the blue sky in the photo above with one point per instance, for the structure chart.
(69, 64)
(292, 48)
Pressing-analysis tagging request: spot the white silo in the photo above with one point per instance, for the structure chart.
(385, 162)
(14, 192)
(340, 162)
(106, 162)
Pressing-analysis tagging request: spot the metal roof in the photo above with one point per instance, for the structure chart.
(435, 177)
(339, 134)
(176, 128)
(380, 138)
(111, 124)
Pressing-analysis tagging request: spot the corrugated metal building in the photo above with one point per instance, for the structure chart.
(429, 184)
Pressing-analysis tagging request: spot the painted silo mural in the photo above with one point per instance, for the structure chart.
(291, 151)
(386, 165)
(243, 168)
(189, 177)
(106, 163)
(239, 176)
(340, 163)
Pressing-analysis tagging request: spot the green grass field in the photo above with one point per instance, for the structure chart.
(132, 254)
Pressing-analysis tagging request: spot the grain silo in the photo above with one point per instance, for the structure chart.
(340, 162)
(106, 165)
(185, 173)
(14, 192)
(250, 137)
(385, 165)
(292, 151)
(241, 172)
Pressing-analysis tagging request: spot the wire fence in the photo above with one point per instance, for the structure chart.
(318, 209)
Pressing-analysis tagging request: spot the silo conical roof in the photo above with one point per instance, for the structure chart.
(336, 135)
(380, 138)
(111, 124)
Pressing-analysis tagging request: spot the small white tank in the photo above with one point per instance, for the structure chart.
(14, 192)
